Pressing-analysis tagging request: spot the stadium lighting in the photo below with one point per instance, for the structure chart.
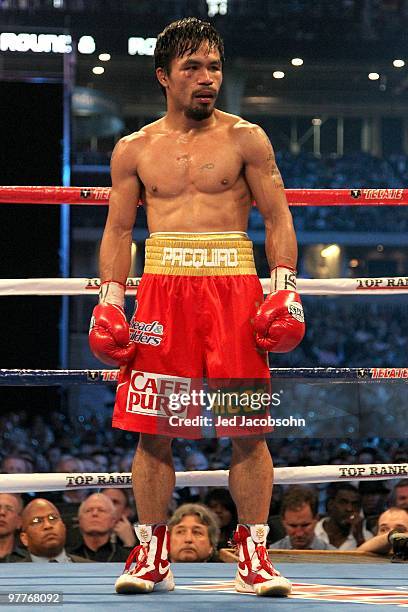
(104, 57)
(373, 76)
(333, 250)
(98, 69)
(296, 61)
(398, 63)
(86, 45)
(278, 74)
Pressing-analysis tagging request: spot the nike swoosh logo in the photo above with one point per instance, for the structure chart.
(244, 571)
(163, 570)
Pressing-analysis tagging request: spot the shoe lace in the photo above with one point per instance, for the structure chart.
(136, 557)
(264, 561)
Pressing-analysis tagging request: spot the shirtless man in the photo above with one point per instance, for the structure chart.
(197, 171)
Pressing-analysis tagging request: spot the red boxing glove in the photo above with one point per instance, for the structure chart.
(279, 323)
(109, 330)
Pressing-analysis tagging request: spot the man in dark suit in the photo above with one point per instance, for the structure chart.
(97, 519)
(43, 533)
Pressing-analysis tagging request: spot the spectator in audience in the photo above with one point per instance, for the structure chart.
(19, 463)
(222, 504)
(194, 534)
(43, 533)
(101, 462)
(16, 464)
(88, 464)
(125, 464)
(97, 519)
(194, 461)
(69, 500)
(123, 528)
(400, 494)
(343, 526)
(374, 496)
(10, 522)
(367, 455)
(393, 518)
(70, 464)
(299, 518)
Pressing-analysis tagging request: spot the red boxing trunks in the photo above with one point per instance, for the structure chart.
(192, 321)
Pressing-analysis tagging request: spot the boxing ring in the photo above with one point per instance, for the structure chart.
(334, 581)
(209, 586)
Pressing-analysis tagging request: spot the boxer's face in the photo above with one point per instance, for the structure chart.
(193, 83)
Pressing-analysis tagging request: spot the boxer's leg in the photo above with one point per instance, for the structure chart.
(251, 478)
(233, 356)
(153, 478)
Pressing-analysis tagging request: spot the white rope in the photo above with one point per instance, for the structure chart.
(306, 286)
(22, 483)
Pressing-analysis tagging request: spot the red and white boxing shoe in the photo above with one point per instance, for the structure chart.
(255, 572)
(151, 569)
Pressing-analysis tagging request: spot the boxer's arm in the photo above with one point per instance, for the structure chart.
(266, 185)
(115, 252)
(109, 337)
(279, 322)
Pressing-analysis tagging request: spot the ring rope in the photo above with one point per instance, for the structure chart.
(22, 483)
(296, 197)
(18, 378)
(306, 286)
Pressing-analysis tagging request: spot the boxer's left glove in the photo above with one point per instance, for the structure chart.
(109, 338)
(279, 323)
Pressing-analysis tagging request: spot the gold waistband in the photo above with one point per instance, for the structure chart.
(201, 254)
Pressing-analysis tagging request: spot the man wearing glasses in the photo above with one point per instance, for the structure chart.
(43, 533)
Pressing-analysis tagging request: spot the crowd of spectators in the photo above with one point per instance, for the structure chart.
(352, 171)
(356, 518)
(350, 333)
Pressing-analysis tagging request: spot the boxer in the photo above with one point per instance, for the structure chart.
(200, 309)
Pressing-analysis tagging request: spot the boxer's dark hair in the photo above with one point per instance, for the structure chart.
(182, 37)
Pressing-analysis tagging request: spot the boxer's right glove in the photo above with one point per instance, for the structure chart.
(109, 330)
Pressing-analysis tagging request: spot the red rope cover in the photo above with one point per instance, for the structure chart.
(296, 197)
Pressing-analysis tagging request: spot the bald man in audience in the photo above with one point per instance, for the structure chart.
(43, 533)
(392, 519)
(97, 519)
(10, 522)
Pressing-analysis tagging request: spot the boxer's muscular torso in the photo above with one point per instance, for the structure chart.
(197, 180)
(193, 181)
